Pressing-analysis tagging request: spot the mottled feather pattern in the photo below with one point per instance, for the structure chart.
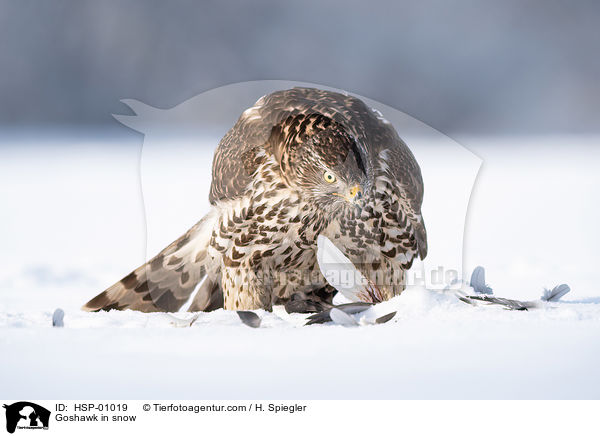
(166, 282)
(257, 246)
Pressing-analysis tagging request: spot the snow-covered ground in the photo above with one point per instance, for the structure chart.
(73, 221)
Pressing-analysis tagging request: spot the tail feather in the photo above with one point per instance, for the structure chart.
(164, 283)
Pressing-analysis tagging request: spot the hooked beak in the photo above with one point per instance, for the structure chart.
(353, 195)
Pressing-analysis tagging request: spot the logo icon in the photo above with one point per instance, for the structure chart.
(26, 415)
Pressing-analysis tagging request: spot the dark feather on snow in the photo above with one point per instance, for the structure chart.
(251, 319)
(508, 304)
(385, 318)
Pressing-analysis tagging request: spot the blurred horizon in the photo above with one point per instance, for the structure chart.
(466, 68)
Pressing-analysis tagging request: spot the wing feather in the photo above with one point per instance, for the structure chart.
(164, 283)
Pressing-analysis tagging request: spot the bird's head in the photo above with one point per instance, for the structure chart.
(326, 165)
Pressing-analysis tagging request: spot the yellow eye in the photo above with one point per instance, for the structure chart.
(329, 177)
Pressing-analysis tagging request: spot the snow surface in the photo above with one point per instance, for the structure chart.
(73, 222)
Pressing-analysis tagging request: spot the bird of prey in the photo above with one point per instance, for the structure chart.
(300, 163)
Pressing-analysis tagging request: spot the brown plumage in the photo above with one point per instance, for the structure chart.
(299, 163)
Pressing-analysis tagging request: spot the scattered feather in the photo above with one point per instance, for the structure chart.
(58, 318)
(478, 281)
(349, 308)
(342, 318)
(182, 322)
(477, 300)
(385, 318)
(556, 293)
(249, 318)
